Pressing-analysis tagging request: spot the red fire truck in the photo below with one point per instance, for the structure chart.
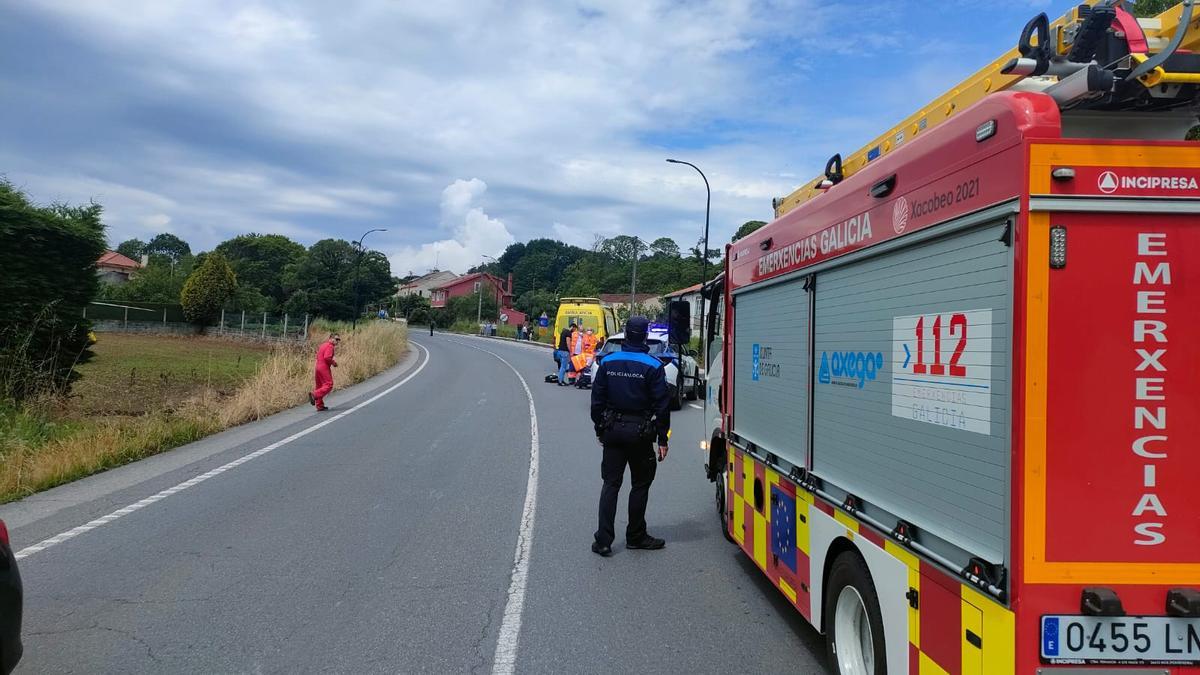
(958, 387)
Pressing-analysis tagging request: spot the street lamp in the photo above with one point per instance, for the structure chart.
(704, 253)
(479, 307)
(359, 245)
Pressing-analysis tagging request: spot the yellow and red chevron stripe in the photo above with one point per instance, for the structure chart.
(953, 630)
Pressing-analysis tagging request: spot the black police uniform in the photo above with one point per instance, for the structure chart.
(631, 410)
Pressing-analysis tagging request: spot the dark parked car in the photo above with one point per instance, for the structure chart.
(10, 605)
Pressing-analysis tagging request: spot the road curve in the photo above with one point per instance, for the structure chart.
(384, 542)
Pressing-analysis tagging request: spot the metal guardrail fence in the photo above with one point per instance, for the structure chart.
(167, 318)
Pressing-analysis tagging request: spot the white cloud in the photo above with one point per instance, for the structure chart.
(475, 234)
(318, 119)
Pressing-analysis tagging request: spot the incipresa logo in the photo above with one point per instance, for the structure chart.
(1107, 182)
(900, 213)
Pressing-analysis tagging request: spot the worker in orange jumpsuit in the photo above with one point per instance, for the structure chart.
(325, 361)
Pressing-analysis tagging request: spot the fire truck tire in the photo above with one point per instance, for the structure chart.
(853, 622)
(723, 507)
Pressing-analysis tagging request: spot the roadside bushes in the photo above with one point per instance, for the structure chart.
(208, 289)
(48, 255)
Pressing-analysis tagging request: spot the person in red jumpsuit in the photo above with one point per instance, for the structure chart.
(325, 361)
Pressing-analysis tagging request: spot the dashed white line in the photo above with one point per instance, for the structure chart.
(504, 661)
(196, 480)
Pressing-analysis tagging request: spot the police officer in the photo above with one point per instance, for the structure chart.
(631, 411)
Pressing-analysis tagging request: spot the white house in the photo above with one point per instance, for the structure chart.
(423, 285)
(691, 295)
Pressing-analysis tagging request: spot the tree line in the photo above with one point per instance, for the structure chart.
(545, 270)
(256, 273)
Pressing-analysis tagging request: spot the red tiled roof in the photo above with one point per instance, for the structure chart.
(683, 291)
(622, 298)
(114, 259)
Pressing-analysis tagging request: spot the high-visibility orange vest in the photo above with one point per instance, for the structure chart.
(589, 343)
(581, 361)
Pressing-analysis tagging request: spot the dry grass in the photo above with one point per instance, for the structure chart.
(285, 379)
(39, 450)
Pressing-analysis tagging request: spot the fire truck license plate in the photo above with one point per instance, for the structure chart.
(1120, 639)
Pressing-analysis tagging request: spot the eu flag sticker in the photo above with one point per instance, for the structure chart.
(1050, 636)
(754, 363)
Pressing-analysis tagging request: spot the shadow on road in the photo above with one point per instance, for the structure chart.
(813, 641)
(687, 530)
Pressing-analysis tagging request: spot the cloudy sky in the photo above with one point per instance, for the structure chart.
(460, 126)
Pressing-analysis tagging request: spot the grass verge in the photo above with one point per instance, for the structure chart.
(142, 395)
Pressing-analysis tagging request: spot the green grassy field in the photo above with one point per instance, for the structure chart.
(137, 374)
(142, 394)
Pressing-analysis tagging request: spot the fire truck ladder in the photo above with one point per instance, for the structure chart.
(1095, 57)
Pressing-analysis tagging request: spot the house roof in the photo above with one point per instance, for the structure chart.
(114, 259)
(622, 298)
(437, 277)
(467, 278)
(694, 288)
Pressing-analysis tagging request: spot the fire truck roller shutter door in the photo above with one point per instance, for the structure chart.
(772, 369)
(910, 409)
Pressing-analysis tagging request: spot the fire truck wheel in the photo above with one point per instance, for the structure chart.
(723, 508)
(853, 620)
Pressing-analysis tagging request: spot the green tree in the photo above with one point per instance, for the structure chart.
(259, 261)
(747, 228)
(1152, 8)
(132, 249)
(324, 281)
(249, 299)
(582, 278)
(468, 307)
(533, 303)
(623, 247)
(49, 259)
(168, 246)
(208, 289)
(664, 247)
(413, 308)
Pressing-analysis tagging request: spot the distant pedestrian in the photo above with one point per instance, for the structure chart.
(324, 375)
(563, 355)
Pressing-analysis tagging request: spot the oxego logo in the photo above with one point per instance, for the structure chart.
(849, 369)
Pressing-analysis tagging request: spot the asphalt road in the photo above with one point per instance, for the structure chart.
(384, 541)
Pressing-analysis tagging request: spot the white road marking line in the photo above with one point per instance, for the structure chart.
(196, 480)
(505, 660)
(697, 406)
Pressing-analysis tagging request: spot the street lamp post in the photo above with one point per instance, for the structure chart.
(357, 260)
(479, 306)
(703, 254)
